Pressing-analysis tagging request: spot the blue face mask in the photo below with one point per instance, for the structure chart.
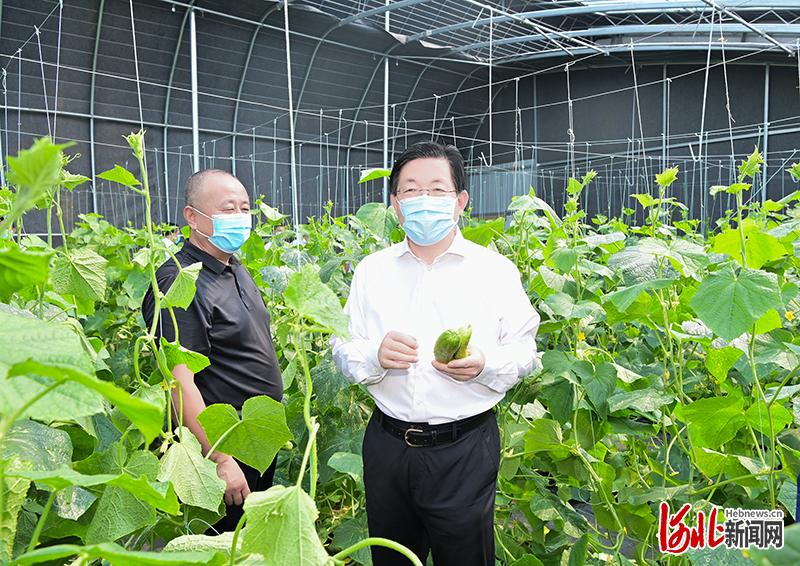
(230, 230)
(426, 219)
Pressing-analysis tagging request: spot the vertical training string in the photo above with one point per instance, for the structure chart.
(44, 84)
(4, 156)
(58, 66)
(725, 78)
(435, 109)
(571, 130)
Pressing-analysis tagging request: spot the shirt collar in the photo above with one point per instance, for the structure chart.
(208, 260)
(457, 247)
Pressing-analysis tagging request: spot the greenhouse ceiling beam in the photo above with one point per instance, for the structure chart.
(640, 47)
(633, 8)
(537, 26)
(303, 35)
(751, 27)
(646, 29)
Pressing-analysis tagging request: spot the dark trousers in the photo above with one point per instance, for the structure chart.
(438, 498)
(256, 482)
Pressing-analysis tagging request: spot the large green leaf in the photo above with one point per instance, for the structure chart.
(599, 383)
(178, 355)
(182, 290)
(566, 307)
(312, 299)
(713, 421)
(118, 513)
(120, 175)
(33, 172)
(640, 400)
(26, 338)
(720, 361)
(760, 247)
(731, 301)
(349, 533)
(80, 272)
(280, 526)
(195, 478)
(159, 495)
(372, 174)
(545, 435)
(789, 555)
(255, 438)
(27, 446)
(67, 402)
(378, 218)
(116, 555)
(347, 463)
(485, 232)
(622, 299)
(221, 543)
(758, 417)
(148, 418)
(21, 269)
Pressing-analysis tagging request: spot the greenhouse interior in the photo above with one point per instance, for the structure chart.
(590, 356)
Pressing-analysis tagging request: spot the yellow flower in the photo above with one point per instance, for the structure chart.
(789, 315)
(581, 336)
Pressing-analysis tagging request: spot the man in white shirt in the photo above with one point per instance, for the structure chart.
(432, 447)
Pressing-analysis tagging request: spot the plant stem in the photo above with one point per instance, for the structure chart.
(235, 541)
(310, 424)
(376, 541)
(311, 437)
(42, 519)
(221, 439)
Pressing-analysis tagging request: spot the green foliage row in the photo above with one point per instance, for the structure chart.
(670, 374)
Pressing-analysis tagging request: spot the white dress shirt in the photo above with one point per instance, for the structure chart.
(393, 289)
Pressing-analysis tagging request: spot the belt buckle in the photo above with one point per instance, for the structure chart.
(405, 437)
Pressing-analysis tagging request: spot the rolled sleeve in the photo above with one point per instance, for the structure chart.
(514, 356)
(357, 358)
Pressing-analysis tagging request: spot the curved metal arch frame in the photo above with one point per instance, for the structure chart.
(167, 98)
(634, 30)
(93, 82)
(615, 8)
(241, 84)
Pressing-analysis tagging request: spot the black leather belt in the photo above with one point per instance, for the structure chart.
(423, 434)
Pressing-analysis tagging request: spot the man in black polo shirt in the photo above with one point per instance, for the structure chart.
(227, 321)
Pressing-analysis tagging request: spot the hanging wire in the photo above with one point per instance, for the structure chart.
(44, 84)
(725, 79)
(571, 129)
(58, 66)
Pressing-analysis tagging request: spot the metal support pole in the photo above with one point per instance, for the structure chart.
(491, 51)
(764, 176)
(664, 118)
(535, 164)
(195, 112)
(295, 203)
(385, 112)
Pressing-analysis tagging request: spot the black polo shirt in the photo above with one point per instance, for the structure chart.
(228, 322)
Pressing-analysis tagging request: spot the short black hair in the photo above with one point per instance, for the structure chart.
(196, 180)
(433, 150)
